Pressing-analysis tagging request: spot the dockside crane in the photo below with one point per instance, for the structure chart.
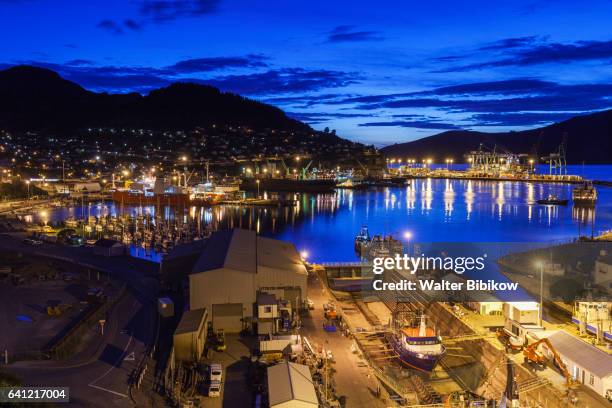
(557, 162)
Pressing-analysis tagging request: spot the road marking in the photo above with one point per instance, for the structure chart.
(92, 384)
(107, 390)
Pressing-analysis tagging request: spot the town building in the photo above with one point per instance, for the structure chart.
(586, 363)
(290, 386)
(234, 266)
(190, 335)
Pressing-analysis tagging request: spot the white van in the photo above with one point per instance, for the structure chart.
(215, 372)
(214, 389)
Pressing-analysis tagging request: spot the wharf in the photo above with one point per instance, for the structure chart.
(462, 175)
(476, 361)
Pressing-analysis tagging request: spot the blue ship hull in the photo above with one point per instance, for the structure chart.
(423, 362)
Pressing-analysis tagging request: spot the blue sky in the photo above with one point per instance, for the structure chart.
(377, 72)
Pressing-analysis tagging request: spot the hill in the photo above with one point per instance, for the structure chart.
(589, 140)
(38, 99)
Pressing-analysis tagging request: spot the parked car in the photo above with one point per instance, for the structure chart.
(215, 372)
(31, 241)
(310, 304)
(214, 389)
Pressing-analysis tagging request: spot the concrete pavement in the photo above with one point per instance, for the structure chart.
(352, 377)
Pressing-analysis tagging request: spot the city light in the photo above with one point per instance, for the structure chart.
(304, 254)
(407, 235)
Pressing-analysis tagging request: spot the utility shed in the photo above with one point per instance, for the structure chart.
(234, 266)
(290, 386)
(190, 335)
(586, 363)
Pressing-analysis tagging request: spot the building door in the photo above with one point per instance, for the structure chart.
(227, 316)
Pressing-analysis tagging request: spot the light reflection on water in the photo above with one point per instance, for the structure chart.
(434, 210)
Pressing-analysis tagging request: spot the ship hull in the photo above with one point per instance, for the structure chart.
(172, 200)
(292, 185)
(425, 363)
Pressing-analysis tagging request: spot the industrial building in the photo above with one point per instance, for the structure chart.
(586, 364)
(234, 266)
(190, 335)
(290, 386)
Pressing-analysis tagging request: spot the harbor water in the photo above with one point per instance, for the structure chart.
(432, 210)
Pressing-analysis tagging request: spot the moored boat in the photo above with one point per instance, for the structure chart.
(552, 200)
(362, 239)
(585, 194)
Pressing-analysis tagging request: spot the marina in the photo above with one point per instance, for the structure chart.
(462, 207)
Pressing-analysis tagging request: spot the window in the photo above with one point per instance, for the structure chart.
(592, 380)
(267, 309)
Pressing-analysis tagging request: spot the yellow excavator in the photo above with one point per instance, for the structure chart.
(533, 355)
(57, 310)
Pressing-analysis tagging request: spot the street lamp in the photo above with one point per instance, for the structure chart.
(407, 237)
(28, 185)
(257, 182)
(540, 265)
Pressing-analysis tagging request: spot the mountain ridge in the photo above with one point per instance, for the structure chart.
(594, 149)
(38, 99)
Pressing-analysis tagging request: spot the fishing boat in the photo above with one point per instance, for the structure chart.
(382, 247)
(362, 239)
(552, 200)
(584, 194)
(417, 347)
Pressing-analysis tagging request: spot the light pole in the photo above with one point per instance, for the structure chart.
(257, 182)
(28, 185)
(541, 266)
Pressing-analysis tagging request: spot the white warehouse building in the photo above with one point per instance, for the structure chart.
(586, 363)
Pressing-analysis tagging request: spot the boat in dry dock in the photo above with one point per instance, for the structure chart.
(316, 185)
(417, 347)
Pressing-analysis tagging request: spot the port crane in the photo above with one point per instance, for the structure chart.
(557, 163)
(533, 355)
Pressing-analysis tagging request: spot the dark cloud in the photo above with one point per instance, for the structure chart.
(132, 24)
(110, 26)
(284, 80)
(347, 33)
(307, 101)
(520, 119)
(508, 43)
(321, 117)
(214, 63)
(143, 79)
(166, 10)
(545, 54)
(417, 124)
(499, 96)
(114, 27)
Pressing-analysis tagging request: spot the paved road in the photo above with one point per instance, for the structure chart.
(352, 381)
(98, 375)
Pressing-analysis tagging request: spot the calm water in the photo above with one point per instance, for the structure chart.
(325, 225)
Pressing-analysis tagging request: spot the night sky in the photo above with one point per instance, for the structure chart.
(378, 72)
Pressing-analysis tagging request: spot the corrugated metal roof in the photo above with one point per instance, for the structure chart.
(243, 250)
(264, 298)
(587, 356)
(190, 248)
(289, 382)
(190, 321)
